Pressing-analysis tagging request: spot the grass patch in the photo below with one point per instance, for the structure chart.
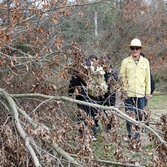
(148, 150)
(136, 155)
(99, 147)
(158, 102)
(148, 146)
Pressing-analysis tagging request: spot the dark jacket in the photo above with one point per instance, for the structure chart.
(77, 81)
(109, 97)
(152, 83)
(151, 78)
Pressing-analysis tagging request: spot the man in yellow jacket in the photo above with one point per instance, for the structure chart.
(135, 71)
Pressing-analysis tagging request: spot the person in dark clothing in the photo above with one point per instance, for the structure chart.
(77, 82)
(152, 86)
(110, 74)
(151, 81)
(152, 90)
(83, 95)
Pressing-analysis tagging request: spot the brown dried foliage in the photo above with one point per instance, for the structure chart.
(59, 127)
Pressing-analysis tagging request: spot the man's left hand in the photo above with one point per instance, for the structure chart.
(148, 96)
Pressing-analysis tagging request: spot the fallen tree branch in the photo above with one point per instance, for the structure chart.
(53, 144)
(63, 153)
(34, 124)
(66, 155)
(27, 140)
(110, 108)
(112, 162)
(21, 131)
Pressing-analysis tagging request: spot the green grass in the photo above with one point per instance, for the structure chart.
(99, 147)
(158, 102)
(148, 146)
(136, 155)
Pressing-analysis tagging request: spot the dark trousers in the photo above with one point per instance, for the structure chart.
(146, 101)
(134, 104)
(92, 111)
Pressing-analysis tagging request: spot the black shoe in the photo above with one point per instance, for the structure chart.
(129, 136)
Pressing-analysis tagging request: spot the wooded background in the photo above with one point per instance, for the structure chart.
(39, 40)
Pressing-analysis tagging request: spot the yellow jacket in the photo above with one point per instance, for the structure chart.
(136, 77)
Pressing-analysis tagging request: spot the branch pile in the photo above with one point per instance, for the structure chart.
(55, 141)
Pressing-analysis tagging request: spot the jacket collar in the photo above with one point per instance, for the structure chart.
(141, 59)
